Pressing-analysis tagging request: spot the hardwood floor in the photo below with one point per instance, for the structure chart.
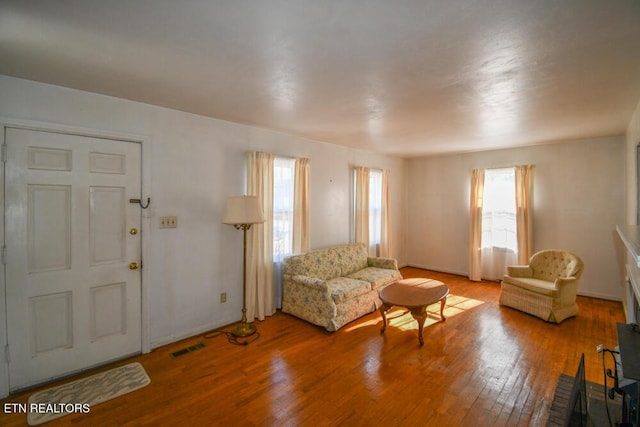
(485, 365)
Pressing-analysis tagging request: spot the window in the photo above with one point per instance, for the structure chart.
(369, 208)
(499, 210)
(283, 178)
(494, 241)
(375, 210)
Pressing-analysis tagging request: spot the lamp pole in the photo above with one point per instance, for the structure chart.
(244, 329)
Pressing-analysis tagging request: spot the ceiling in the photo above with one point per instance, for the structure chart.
(402, 77)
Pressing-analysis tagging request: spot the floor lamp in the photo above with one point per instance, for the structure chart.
(242, 212)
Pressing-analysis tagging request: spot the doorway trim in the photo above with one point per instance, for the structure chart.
(145, 218)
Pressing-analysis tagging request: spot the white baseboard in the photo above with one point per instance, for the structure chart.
(438, 269)
(599, 296)
(162, 341)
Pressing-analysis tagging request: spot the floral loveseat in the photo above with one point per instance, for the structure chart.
(333, 286)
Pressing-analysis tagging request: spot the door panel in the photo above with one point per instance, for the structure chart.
(72, 301)
(107, 224)
(52, 321)
(49, 228)
(108, 310)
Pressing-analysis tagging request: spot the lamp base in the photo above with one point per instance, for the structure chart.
(244, 329)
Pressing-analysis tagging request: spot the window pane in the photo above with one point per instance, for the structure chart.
(375, 207)
(499, 210)
(283, 175)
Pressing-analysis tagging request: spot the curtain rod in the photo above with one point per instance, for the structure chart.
(276, 155)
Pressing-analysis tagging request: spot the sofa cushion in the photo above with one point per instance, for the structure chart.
(322, 263)
(377, 277)
(351, 258)
(344, 288)
(534, 285)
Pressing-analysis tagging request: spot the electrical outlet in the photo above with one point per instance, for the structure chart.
(223, 297)
(168, 222)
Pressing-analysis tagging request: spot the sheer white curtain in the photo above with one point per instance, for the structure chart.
(260, 289)
(361, 224)
(495, 262)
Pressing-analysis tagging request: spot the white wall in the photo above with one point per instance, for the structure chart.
(193, 164)
(578, 201)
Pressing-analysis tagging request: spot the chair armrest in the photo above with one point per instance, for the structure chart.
(563, 281)
(388, 263)
(519, 271)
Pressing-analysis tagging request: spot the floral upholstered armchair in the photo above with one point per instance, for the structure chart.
(545, 288)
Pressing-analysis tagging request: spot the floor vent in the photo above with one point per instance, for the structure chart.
(188, 350)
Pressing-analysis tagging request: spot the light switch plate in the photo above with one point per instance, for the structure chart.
(168, 222)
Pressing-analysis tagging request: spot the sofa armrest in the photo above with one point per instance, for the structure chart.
(519, 271)
(308, 298)
(388, 263)
(310, 282)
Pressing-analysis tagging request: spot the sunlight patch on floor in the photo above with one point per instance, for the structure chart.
(399, 317)
(357, 325)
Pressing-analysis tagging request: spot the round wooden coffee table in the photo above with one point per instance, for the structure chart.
(415, 295)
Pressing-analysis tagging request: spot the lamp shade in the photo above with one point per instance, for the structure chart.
(242, 210)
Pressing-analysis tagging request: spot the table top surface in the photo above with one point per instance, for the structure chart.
(417, 292)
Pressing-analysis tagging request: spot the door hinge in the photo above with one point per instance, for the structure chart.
(4, 255)
(7, 356)
(3, 153)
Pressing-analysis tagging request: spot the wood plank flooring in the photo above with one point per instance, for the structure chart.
(485, 365)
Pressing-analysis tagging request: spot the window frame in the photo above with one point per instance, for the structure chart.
(282, 217)
(498, 213)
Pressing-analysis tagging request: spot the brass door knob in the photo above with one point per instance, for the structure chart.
(133, 231)
(133, 266)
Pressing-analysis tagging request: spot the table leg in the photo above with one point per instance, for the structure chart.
(420, 315)
(383, 311)
(442, 303)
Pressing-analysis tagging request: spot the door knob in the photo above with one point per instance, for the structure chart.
(133, 231)
(133, 266)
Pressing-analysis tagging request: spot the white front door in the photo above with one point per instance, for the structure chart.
(73, 299)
